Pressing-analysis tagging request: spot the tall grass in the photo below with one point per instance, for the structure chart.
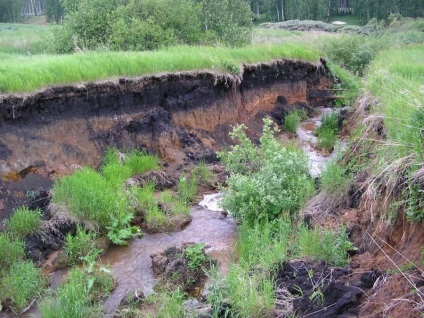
(19, 39)
(23, 222)
(21, 284)
(396, 79)
(30, 73)
(11, 250)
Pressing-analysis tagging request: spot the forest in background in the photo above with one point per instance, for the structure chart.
(263, 10)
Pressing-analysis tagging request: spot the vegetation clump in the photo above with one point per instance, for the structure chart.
(266, 179)
(23, 222)
(292, 120)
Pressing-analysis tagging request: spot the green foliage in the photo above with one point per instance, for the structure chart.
(266, 179)
(90, 197)
(250, 295)
(45, 70)
(324, 245)
(264, 246)
(326, 139)
(77, 296)
(351, 52)
(11, 250)
(202, 173)
(20, 284)
(195, 255)
(187, 188)
(292, 120)
(23, 222)
(335, 180)
(167, 303)
(101, 197)
(79, 246)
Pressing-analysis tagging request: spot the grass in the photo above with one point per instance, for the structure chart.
(334, 179)
(23, 222)
(166, 304)
(395, 78)
(21, 39)
(89, 197)
(20, 284)
(78, 296)
(292, 120)
(29, 73)
(81, 245)
(187, 188)
(11, 250)
(326, 139)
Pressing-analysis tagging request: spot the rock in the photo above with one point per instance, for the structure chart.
(161, 180)
(132, 298)
(1, 205)
(369, 278)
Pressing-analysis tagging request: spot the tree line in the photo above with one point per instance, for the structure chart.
(263, 10)
(281, 10)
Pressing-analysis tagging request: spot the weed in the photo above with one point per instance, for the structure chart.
(79, 246)
(335, 180)
(202, 173)
(11, 250)
(326, 139)
(168, 304)
(195, 255)
(330, 122)
(155, 218)
(292, 120)
(77, 296)
(187, 188)
(23, 222)
(20, 284)
(140, 162)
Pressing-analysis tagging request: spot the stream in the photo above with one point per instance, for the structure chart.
(132, 266)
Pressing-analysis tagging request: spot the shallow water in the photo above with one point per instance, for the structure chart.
(132, 266)
(305, 133)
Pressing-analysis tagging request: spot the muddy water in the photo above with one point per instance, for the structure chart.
(131, 265)
(305, 134)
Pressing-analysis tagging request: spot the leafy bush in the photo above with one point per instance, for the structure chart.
(20, 284)
(350, 51)
(23, 222)
(11, 250)
(266, 179)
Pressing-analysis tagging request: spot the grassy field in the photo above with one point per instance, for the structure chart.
(29, 73)
(20, 38)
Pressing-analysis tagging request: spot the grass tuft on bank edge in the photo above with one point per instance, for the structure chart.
(30, 73)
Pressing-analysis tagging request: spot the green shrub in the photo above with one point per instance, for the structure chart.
(20, 284)
(266, 179)
(350, 51)
(292, 120)
(79, 246)
(116, 174)
(202, 173)
(24, 221)
(11, 250)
